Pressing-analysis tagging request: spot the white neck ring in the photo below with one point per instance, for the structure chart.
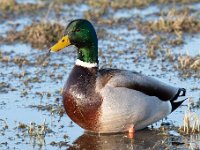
(85, 64)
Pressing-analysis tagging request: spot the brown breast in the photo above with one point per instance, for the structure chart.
(81, 102)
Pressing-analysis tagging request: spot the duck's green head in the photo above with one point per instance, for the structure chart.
(82, 34)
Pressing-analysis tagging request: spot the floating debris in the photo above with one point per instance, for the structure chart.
(52, 108)
(22, 126)
(60, 144)
(5, 125)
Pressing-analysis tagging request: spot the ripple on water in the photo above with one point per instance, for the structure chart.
(17, 48)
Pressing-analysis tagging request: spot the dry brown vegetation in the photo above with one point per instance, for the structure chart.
(69, 1)
(12, 7)
(39, 35)
(101, 7)
(187, 66)
(116, 4)
(119, 4)
(170, 29)
(187, 63)
(7, 5)
(174, 22)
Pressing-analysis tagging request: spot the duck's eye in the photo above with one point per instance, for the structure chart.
(63, 40)
(77, 30)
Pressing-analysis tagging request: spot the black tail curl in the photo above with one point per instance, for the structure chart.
(181, 92)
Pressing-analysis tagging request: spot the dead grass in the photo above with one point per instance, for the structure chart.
(101, 7)
(188, 66)
(7, 5)
(10, 7)
(170, 29)
(190, 120)
(118, 4)
(153, 46)
(176, 22)
(40, 35)
(187, 62)
(69, 1)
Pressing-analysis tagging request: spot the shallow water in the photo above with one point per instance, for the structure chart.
(25, 87)
(190, 47)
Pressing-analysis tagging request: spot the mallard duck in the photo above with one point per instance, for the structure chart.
(110, 100)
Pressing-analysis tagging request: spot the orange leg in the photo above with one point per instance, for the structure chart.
(131, 132)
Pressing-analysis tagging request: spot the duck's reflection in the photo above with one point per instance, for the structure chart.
(142, 140)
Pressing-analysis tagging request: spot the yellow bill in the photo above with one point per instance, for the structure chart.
(64, 42)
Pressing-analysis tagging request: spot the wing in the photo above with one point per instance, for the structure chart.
(132, 98)
(138, 82)
(123, 107)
